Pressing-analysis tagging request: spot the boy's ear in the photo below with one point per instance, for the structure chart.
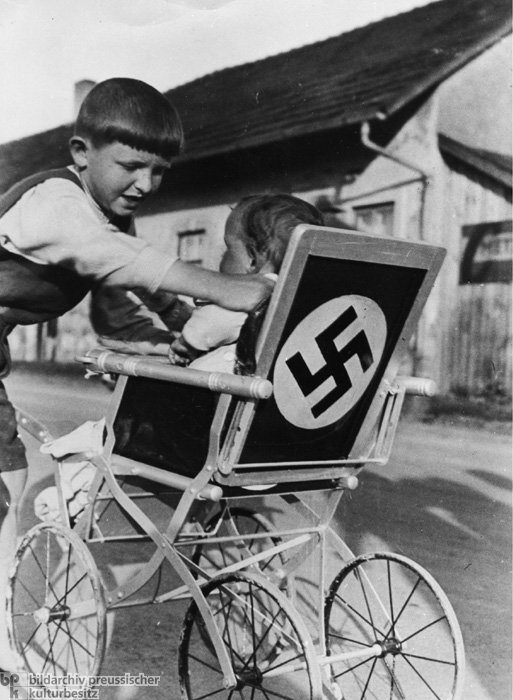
(79, 149)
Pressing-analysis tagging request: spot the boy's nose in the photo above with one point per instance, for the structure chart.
(144, 181)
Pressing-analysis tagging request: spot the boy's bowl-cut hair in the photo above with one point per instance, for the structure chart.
(133, 113)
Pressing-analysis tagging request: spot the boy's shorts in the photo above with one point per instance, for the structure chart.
(12, 450)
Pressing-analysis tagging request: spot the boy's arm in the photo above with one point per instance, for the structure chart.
(124, 324)
(54, 223)
(236, 292)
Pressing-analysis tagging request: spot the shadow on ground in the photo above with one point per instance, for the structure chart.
(463, 538)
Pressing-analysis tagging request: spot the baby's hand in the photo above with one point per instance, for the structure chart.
(181, 353)
(176, 359)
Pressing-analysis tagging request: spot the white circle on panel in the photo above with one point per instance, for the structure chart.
(328, 361)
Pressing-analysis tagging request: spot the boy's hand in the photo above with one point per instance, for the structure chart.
(244, 292)
(235, 292)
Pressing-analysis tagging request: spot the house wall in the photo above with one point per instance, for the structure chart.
(477, 346)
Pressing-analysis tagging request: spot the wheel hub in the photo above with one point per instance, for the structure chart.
(45, 615)
(391, 646)
(251, 676)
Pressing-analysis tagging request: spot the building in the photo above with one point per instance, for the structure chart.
(351, 124)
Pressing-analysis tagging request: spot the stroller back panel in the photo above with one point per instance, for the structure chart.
(345, 308)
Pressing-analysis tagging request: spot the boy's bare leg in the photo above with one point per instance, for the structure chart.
(12, 485)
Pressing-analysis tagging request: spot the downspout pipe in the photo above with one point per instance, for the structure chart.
(424, 179)
(423, 175)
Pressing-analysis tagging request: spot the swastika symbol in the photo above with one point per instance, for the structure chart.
(328, 361)
(335, 359)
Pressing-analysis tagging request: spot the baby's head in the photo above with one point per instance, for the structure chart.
(258, 230)
(126, 134)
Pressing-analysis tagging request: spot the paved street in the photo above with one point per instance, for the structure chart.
(444, 500)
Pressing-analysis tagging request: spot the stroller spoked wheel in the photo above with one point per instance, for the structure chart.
(392, 632)
(56, 611)
(270, 650)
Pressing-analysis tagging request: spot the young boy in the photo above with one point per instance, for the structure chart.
(65, 233)
(257, 233)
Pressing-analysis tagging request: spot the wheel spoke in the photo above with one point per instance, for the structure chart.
(64, 596)
(45, 576)
(356, 612)
(58, 628)
(227, 630)
(349, 639)
(27, 643)
(394, 622)
(73, 639)
(369, 612)
(50, 652)
(68, 566)
(47, 562)
(422, 629)
(429, 658)
(390, 597)
(422, 679)
(394, 681)
(352, 668)
(205, 663)
(72, 649)
(38, 604)
(368, 678)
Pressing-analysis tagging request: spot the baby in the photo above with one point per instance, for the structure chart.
(257, 233)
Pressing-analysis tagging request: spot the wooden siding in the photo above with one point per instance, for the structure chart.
(480, 346)
(477, 317)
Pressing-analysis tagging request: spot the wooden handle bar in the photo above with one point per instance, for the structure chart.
(105, 361)
(418, 386)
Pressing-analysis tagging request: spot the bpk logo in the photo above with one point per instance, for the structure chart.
(329, 360)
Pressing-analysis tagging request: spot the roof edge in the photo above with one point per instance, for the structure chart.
(475, 158)
(450, 68)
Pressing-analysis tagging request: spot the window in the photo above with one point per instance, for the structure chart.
(488, 253)
(375, 218)
(190, 246)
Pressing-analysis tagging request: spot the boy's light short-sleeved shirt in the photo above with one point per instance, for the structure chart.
(58, 223)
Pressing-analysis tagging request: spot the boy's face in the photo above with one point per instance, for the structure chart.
(119, 177)
(236, 259)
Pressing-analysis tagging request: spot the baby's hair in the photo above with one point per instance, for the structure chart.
(268, 221)
(133, 113)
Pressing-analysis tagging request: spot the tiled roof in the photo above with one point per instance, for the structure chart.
(369, 72)
(496, 165)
